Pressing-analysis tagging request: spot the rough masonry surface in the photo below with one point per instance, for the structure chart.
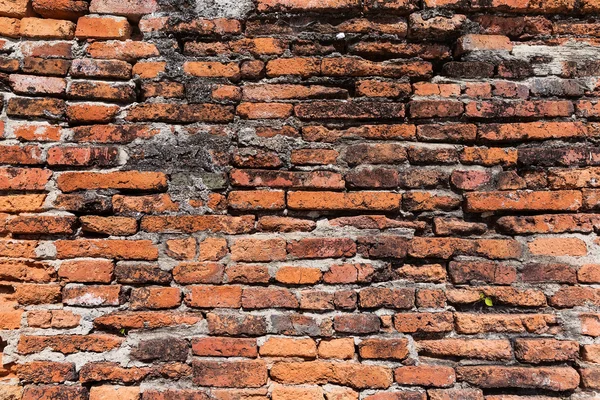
(299, 200)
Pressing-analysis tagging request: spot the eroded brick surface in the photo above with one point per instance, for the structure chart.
(299, 200)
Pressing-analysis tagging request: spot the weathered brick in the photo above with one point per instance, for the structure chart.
(547, 378)
(300, 5)
(122, 50)
(104, 28)
(466, 348)
(349, 374)
(425, 375)
(60, 9)
(155, 298)
(343, 201)
(230, 373)
(130, 8)
(321, 248)
(38, 28)
(225, 347)
(109, 248)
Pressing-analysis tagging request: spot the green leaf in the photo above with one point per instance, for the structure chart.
(488, 301)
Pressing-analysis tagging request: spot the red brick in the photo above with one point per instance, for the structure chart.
(187, 113)
(109, 248)
(16, 155)
(435, 108)
(37, 85)
(466, 348)
(38, 28)
(531, 131)
(256, 200)
(83, 156)
(194, 223)
(391, 349)
(256, 298)
(558, 246)
(60, 9)
(146, 204)
(425, 375)
(423, 322)
(321, 248)
(120, 392)
(537, 351)
(72, 181)
(133, 9)
(215, 296)
(301, 5)
(246, 374)
(225, 347)
(155, 298)
(470, 43)
(69, 344)
(47, 50)
(24, 179)
(103, 28)
(46, 108)
(101, 91)
(206, 272)
(92, 295)
(473, 323)
(547, 378)
(46, 372)
(348, 66)
(353, 110)
(288, 347)
(145, 319)
(446, 247)
(258, 250)
(510, 109)
(100, 271)
(212, 69)
(523, 201)
(122, 50)
(358, 376)
(382, 201)
(53, 319)
(357, 323)
(47, 392)
(15, 8)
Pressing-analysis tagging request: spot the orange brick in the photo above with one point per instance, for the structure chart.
(104, 28)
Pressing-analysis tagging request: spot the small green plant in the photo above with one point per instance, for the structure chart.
(486, 300)
(123, 332)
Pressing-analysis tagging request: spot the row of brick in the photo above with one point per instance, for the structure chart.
(207, 296)
(417, 26)
(544, 223)
(262, 200)
(119, 92)
(562, 180)
(448, 132)
(238, 323)
(205, 270)
(526, 350)
(99, 113)
(255, 373)
(279, 392)
(278, 249)
(134, 10)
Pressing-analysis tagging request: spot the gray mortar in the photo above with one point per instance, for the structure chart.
(223, 8)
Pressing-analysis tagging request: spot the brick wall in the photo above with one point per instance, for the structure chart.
(299, 200)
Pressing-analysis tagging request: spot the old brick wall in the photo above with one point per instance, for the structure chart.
(299, 200)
